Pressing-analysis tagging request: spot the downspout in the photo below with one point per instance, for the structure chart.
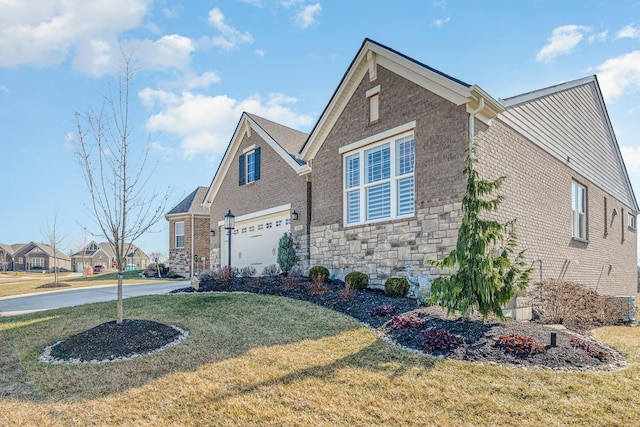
(472, 117)
(192, 242)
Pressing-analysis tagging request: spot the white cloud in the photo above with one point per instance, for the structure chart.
(629, 32)
(440, 22)
(230, 38)
(631, 157)
(617, 75)
(599, 37)
(563, 41)
(307, 16)
(260, 53)
(51, 32)
(205, 124)
(289, 3)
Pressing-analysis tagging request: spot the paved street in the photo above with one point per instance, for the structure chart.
(13, 305)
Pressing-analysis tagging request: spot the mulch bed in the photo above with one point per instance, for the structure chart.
(109, 342)
(54, 285)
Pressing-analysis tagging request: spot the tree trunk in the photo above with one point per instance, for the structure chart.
(119, 303)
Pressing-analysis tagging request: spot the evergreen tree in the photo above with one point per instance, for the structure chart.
(287, 256)
(484, 276)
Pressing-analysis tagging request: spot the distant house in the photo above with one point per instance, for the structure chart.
(102, 254)
(6, 257)
(378, 183)
(35, 257)
(189, 241)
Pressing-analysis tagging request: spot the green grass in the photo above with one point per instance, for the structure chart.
(264, 360)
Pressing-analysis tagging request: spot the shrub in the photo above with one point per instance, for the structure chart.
(396, 287)
(357, 279)
(574, 305)
(296, 271)
(348, 292)
(255, 282)
(384, 310)
(270, 270)
(589, 348)
(226, 274)
(172, 274)
(318, 285)
(520, 345)
(439, 339)
(248, 271)
(405, 323)
(318, 271)
(289, 283)
(208, 276)
(287, 256)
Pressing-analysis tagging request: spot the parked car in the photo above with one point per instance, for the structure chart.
(98, 269)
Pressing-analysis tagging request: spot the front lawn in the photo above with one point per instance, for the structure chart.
(266, 360)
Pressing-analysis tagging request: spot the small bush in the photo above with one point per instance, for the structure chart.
(318, 285)
(319, 271)
(172, 274)
(287, 256)
(296, 271)
(348, 292)
(289, 283)
(589, 348)
(396, 287)
(357, 279)
(405, 323)
(270, 270)
(208, 276)
(248, 271)
(384, 310)
(226, 274)
(575, 306)
(439, 339)
(255, 282)
(520, 345)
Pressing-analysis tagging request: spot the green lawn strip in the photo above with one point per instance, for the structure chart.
(264, 360)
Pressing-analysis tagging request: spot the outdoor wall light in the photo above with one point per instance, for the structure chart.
(213, 232)
(294, 215)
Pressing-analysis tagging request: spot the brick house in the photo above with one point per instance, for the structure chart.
(37, 257)
(264, 185)
(95, 253)
(380, 178)
(189, 227)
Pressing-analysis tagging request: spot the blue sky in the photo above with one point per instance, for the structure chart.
(201, 64)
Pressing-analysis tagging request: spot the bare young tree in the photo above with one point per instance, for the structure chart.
(116, 171)
(53, 238)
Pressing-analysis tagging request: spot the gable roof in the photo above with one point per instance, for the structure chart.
(192, 204)
(42, 248)
(570, 122)
(372, 54)
(279, 137)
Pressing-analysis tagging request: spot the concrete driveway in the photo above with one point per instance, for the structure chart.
(11, 306)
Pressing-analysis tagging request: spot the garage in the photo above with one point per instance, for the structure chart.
(254, 241)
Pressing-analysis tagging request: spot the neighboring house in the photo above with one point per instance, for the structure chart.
(96, 253)
(259, 180)
(39, 257)
(379, 181)
(189, 229)
(6, 257)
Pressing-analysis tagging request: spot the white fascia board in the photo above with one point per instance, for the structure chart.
(257, 214)
(526, 97)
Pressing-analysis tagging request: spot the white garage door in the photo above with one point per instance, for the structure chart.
(254, 241)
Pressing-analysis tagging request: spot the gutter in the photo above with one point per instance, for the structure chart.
(472, 117)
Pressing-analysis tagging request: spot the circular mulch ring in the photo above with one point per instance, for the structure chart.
(54, 285)
(112, 342)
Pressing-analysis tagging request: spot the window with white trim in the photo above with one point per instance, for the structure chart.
(379, 181)
(179, 230)
(578, 211)
(37, 262)
(631, 221)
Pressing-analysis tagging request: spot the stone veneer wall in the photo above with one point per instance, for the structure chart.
(180, 258)
(379, 249)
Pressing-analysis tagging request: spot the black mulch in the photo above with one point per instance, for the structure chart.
(136, 337)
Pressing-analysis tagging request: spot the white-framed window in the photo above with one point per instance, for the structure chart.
(631, 221)
(179, 230)
(578, 211)
(278, 223)
(251, 167)
(260, 226)
(37, 262)
(379, 181)
(270, 224)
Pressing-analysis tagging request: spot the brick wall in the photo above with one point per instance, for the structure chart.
(278, 185)
(538, 193)
(440, 140)
(180, 258)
